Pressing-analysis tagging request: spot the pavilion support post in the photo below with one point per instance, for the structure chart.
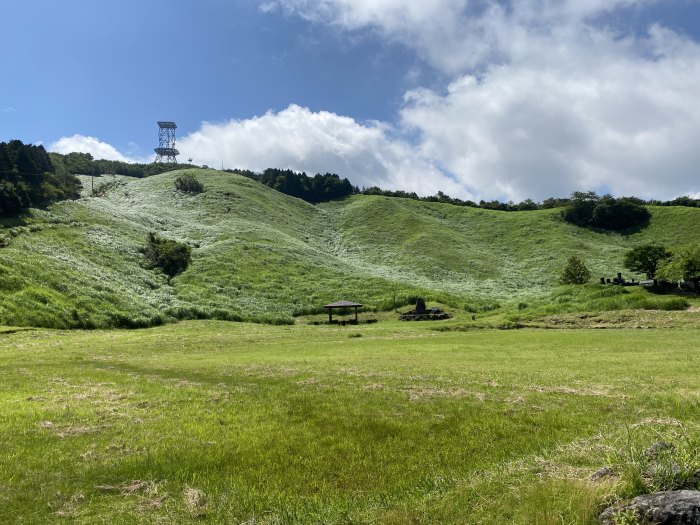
(356, 315)
(330, 316)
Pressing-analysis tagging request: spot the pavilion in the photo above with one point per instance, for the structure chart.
(339, 305)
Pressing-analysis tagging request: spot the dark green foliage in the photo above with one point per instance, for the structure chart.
(580, 208)
(84, 164)
(683, 264)
(28, 178)
(188, 183)
(318, 188)
(575, 272)
(645, 259)
(11, 202)
(170, 256)
(619, 214)
(587, 209)
(78, 163)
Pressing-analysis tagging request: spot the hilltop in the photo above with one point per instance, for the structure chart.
(260, 255)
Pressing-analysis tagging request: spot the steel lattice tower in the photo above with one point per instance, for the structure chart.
(166, 152)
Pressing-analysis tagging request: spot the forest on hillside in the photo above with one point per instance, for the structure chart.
(28, 178)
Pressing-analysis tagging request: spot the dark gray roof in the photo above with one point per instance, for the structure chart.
(343, 304)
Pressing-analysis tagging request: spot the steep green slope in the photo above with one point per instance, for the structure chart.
(261, 255)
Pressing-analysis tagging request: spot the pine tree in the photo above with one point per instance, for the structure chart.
(575, 272)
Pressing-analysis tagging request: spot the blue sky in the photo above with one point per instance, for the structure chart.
(480, 99)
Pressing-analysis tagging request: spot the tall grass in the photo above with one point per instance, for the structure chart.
(259, 255)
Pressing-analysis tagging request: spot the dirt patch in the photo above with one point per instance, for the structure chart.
(655, 421)
(195, 501)
(638, 319)
(571, 391)
(422, 393)
(308, 382)
(65, 431)
(129, 487)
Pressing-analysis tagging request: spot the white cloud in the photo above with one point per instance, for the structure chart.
(299, 139)
(628, 125)
(453, 35)
(92, 145)
(545, 98)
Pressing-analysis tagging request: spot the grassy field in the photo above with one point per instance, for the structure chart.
(262, 256)
(391, 423)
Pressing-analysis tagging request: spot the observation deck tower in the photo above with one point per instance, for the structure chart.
(166, 152)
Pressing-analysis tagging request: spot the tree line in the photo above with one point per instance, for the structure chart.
(84, 164)
(319, 188)
(28, 178)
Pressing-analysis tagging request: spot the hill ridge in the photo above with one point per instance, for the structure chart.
(264, 256)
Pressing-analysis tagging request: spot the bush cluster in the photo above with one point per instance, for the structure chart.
(170, 256)
(588, 209)
(188, 183)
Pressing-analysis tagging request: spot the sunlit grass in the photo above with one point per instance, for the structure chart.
(213, 422)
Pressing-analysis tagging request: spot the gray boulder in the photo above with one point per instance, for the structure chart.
(676, 507)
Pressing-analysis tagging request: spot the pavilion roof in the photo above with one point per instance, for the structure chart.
(343, 304)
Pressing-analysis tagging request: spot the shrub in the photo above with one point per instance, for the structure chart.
(170, 256)
(188, 183)
(590, 210)
(575, 272)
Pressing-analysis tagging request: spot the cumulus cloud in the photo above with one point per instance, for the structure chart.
(545, 96)
(299, 139)
(628, 126)
(92, 145)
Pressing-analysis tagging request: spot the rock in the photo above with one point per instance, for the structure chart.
(660, 446)
(677, 507)
(601, 474)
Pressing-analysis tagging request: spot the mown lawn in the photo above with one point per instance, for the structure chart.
(214, 422)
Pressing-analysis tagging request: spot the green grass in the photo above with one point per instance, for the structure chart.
(260, 255)
(213, 422)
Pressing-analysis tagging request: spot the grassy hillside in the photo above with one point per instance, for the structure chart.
(261, 255)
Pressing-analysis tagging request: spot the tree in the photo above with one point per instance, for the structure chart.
(645, 259)
(170, 256)
(579, 211)
(683, 264)
(587, 209)
(618, 214)
(575, 272)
